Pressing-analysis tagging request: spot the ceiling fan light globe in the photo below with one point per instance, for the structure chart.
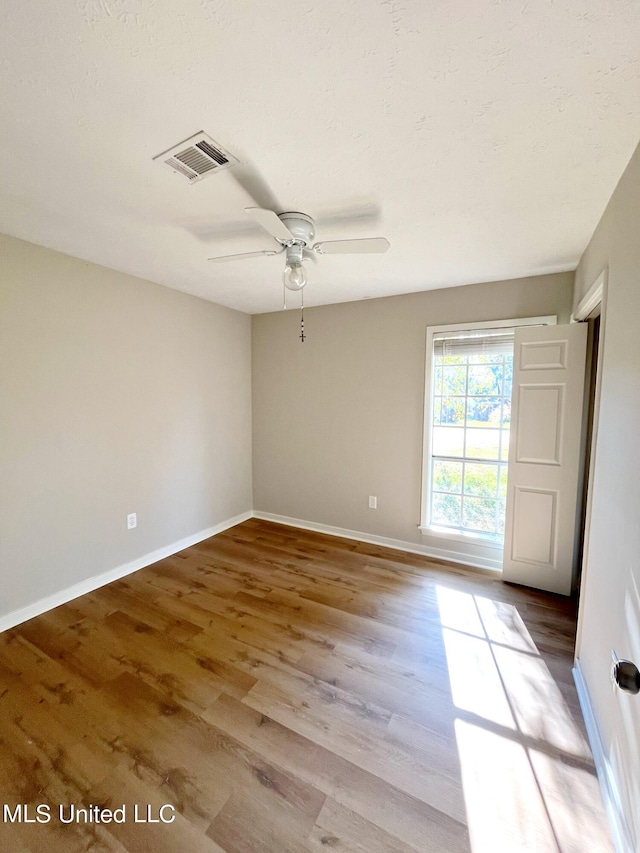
(294, 277)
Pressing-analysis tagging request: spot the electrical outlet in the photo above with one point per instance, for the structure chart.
(373, 502)
(132, 520)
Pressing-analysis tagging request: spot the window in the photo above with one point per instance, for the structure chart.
(467, 428)
(470, 430)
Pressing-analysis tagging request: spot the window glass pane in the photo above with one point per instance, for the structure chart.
(447, 476)
(485, 379)
(480, 479)
(505, 446)
(454, 359)
(480, 514)
(483, 411)
(502, 512)
(446, 509)
(506, 412)
(437, 381)
(503, 481)
(508, 376)
(437, 407)
(454, 379)
(448, 441)
(486, 358)
(452, 411)
(482, 443)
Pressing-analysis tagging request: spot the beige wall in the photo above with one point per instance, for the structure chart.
(339, 418)
(610, 603)
(116, 396)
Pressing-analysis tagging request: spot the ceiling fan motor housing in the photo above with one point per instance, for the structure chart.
(301, 227)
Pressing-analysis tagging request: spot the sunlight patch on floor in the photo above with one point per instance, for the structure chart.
(458, 611)
(525, 762)
(539, 707)
(475, 682)
(505, 809)
(503, 624)
(569, 794)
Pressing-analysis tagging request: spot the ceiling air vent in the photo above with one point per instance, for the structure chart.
(197, 157)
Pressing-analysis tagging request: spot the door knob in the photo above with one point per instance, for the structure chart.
(627, 676)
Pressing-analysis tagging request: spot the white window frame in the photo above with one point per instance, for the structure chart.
(424, 526)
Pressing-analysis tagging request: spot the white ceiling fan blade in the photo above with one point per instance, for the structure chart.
(270, 222)
(367, 245)
(243, 255)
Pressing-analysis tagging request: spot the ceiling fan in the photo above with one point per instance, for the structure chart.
(294, 233)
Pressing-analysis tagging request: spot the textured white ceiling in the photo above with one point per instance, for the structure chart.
(482, 138)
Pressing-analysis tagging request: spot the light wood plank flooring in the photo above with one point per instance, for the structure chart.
(288, 691)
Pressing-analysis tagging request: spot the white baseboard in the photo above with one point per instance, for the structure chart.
(477, 563)
(16, 617)
(608, 785)
(42, 605)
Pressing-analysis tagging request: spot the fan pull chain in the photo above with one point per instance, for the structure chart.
(302, 334)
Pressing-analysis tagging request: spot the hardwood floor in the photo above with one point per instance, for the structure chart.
(288, 691)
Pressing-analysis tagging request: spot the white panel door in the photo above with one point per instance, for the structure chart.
(544, 456)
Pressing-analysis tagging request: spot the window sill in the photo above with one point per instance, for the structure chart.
(460, 536)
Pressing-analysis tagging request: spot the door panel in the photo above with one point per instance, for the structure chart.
(539, 416)
(535, 542)
(544, 456)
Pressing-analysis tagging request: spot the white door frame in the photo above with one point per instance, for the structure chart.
(593, 302)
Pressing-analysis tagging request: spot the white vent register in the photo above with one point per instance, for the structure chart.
(197, 158)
